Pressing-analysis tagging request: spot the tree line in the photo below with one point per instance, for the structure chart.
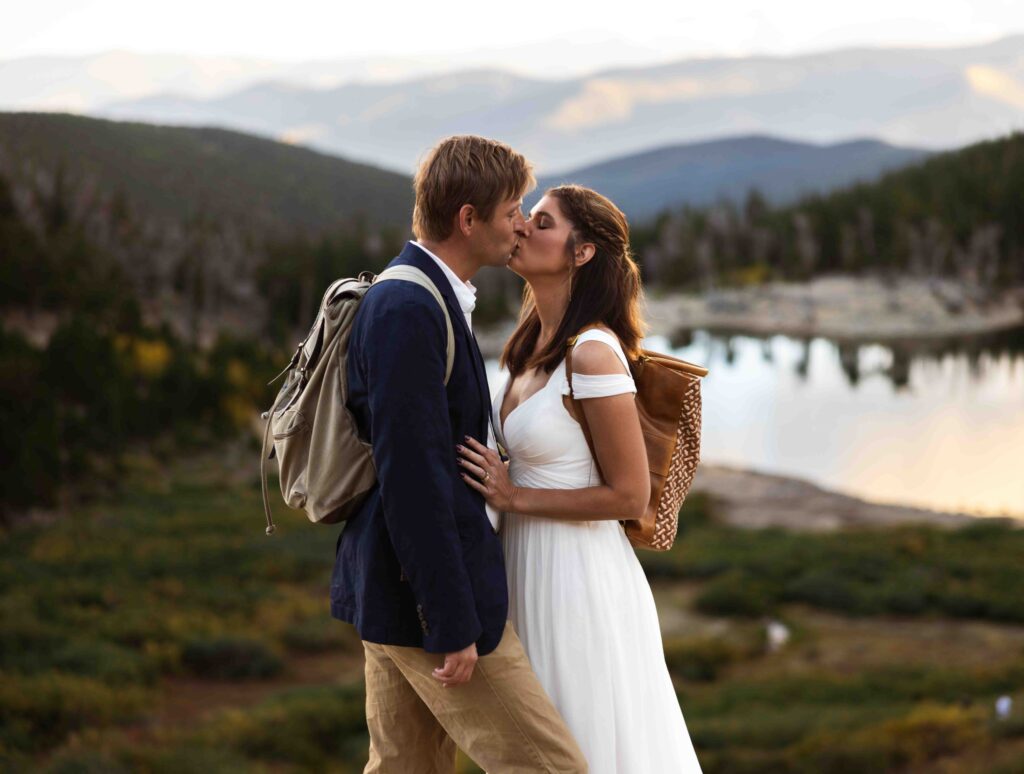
(959, 215)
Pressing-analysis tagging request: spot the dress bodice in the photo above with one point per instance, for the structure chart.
(545, 443)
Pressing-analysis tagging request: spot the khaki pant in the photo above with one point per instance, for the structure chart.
(501, 718)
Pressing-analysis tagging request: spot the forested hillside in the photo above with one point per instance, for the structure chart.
(151, 278)
(958, 214)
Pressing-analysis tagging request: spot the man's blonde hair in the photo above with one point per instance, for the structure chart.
(466, 169)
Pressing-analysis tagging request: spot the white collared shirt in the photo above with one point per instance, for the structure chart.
(465, 292)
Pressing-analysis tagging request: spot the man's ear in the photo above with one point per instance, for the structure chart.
(467, 218)
(584, 253)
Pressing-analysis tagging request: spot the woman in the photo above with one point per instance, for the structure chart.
(579, 599)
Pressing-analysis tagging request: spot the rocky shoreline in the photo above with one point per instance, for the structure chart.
(754, 500)
(842, 308)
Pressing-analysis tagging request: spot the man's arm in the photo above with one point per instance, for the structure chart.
(404, 342)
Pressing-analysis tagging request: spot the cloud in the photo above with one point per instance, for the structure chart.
(998, 85)
(612, 100)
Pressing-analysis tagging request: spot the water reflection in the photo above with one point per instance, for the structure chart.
(892, 360)
(936, 423)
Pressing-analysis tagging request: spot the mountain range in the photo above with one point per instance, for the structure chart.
(186, 172)
(935, 98)
(702, 173)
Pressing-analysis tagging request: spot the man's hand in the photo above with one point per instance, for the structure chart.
(458, 667)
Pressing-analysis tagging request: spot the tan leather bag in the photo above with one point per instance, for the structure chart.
(668, 401)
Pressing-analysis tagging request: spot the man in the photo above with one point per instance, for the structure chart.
(419, 570)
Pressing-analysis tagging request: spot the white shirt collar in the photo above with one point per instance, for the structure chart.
(465, 292)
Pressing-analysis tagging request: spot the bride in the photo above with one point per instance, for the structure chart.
(579, 599)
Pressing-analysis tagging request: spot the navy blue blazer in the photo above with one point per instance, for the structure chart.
(419, 564)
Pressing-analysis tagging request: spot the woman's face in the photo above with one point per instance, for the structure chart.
(541, 250)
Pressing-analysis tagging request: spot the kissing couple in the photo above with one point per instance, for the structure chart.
(501, 605)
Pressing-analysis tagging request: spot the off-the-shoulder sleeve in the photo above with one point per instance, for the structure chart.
(600, 385)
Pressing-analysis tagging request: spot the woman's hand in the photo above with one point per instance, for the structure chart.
(486, 473)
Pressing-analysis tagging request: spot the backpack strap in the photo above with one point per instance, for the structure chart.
(412, 274)
(267, 415)
(407, 273)
(578, 409)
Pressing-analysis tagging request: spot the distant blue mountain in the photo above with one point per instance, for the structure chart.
(936, 98)
(702, 173)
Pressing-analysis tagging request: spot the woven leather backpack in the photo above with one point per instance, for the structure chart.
(668, 401)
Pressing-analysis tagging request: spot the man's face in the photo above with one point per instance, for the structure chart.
(495, 239)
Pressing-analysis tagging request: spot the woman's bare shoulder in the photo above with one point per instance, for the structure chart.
(596, 356)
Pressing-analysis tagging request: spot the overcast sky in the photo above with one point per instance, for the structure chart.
(527, 36)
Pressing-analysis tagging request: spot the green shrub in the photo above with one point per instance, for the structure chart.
(105, 661)
(37, 712)
(830, 588)
(26, 643)
(84, 762)
(740, 761)
(320, 635)
(309, 727)
(1012, 767)
(928, 732)
(702, 659)
(1010, 728)
(734, 593)
(232, 658)
(185, 757)
(697, 511)
(833, 753)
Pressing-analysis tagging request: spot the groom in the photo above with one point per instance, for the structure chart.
(419, 570)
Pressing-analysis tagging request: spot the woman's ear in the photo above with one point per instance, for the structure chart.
(584, 253)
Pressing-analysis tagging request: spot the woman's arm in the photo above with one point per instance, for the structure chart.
(618, 443)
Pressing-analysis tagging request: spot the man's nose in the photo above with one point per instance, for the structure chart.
(522, 226)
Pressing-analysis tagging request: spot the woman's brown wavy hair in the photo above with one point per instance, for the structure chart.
(605, 290)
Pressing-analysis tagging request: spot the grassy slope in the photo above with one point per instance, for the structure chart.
(166, 632)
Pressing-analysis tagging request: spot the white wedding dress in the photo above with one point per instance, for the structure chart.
(578, 598)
